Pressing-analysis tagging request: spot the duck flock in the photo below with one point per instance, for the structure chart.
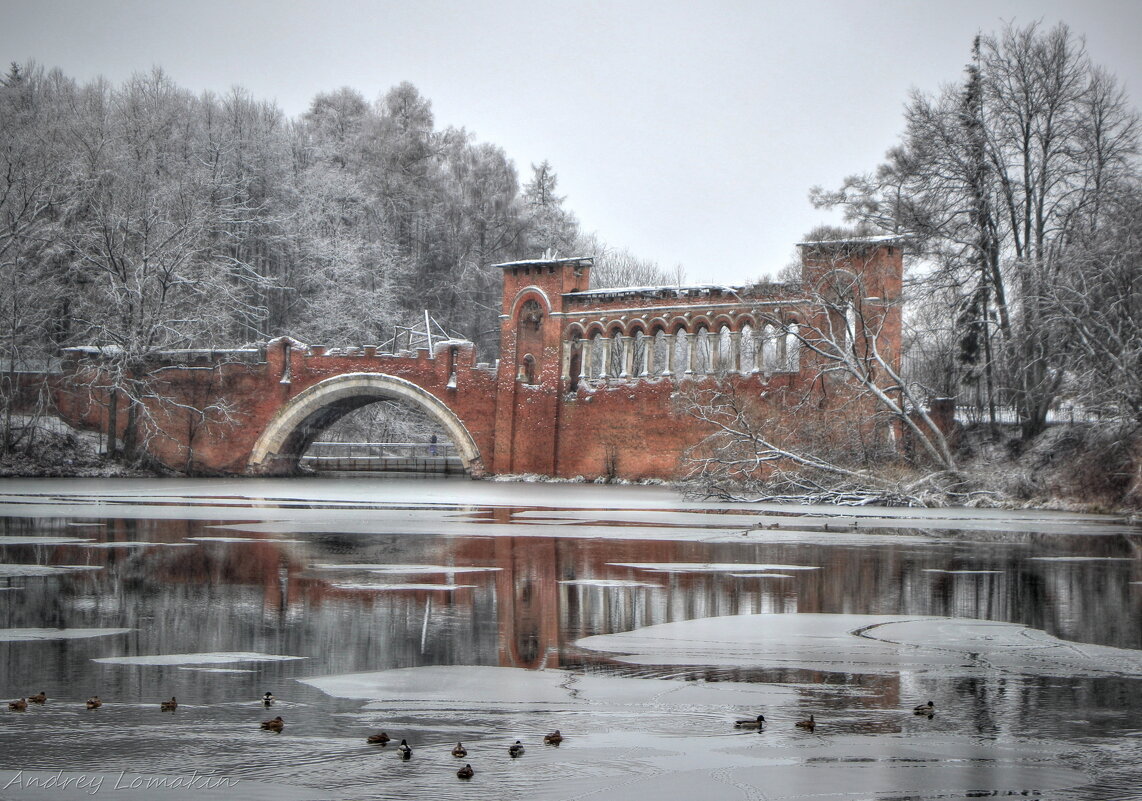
(404, 750)
(277, 724)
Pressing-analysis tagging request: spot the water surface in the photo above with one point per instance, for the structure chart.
(640, 625)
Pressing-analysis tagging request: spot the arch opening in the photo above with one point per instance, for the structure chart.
(299, 423)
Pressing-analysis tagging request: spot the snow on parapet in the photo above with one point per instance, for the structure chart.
(857, 240)
(587, 260)
(681, 291)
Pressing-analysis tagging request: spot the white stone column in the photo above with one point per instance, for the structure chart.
(627, 344)
(648, 345)
(565, 372)
(668, 340)
(691, 351)
(736, 352)
(605, 362)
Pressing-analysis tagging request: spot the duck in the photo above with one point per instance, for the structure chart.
(404, 750)
(381, 738)
(268, 699)
(756, 723)
(277, 724)
(94, 702)
(555, 738)
(38, 698)
(169, 706)
(18, 705)
(465, 772)
(459, 750)
(928, 709)
(516, 749)
(809, 724)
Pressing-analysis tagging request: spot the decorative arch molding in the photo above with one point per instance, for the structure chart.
(308, 413)
(575, 331)
(530, 293)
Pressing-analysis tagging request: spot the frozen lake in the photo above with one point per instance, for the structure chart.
(638, 624)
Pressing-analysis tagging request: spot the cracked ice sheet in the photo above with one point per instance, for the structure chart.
(472, 686)
(40, 635)
(865, 644)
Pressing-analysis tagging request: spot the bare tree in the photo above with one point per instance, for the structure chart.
(854, 431)
(998, 179)
(33, 313)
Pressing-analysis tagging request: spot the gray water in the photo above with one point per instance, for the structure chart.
(640, 625)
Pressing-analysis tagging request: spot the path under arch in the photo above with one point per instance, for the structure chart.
(303, 417)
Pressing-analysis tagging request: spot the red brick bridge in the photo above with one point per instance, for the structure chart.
(585, 385)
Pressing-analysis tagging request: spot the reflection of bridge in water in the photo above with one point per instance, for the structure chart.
(436, 458)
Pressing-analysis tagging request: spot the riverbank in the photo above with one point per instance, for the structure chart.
(1067, 468)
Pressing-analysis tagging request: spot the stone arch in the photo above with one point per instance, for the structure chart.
(311, 411)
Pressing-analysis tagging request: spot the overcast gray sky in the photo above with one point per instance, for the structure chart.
(689, 132)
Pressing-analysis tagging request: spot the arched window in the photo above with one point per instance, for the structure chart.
(792, 350)
(747, 350)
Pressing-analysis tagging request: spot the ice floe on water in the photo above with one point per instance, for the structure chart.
(270, 540)
(134, 544)
(7, 571)
(405, 569)
(864, 644)
(40, 635)
(405, 586)
(12, 539)
(215, 658)
(609, 583)
(476, 686)
(961, 572)
(708, 567)
(1081, 558)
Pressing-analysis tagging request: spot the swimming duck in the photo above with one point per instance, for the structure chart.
(516, 749)
(18, 705)
(928, 709)
(404, 750)
(268, 699)
(38, 698)
(169, 706)
(381, 738)
(555, 738)
(809, 724)
(277, 724)
(756, 723)
(465, 772)
(459, 750)
(94, 702)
